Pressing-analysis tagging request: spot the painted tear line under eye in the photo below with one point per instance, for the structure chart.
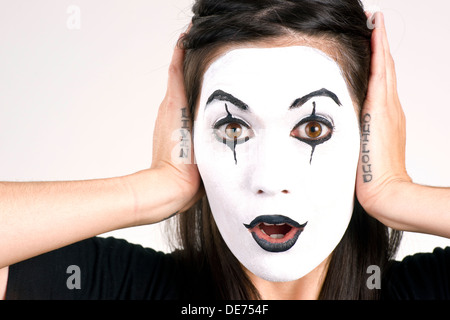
(313, 143)
(231, 144)
(233, 148)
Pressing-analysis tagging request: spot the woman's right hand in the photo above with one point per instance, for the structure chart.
(173, 152)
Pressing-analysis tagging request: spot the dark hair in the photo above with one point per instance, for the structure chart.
(341, 26)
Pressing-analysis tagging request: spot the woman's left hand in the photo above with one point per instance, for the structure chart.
(381, 169)
(383, 186)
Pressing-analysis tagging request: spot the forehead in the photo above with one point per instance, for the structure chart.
(277, 74)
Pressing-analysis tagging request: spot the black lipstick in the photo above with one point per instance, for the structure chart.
(275, 233)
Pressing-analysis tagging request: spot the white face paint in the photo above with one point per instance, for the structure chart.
(277, 142)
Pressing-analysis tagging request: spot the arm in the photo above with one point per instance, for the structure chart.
(41, 216)
(37, 217)
(383, 186)
(417, 208)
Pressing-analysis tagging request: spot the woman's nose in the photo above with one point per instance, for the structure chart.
(273, 171)
(269, 182)
(273, 192)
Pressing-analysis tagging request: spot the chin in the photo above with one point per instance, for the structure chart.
(283, 267)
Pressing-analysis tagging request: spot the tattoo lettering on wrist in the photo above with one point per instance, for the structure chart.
(365, 152)
(182, 150)
(184, 132)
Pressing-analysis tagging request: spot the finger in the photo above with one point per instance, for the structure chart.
(377, 90)
(180, 38)
(380, 25)
(370, 22)
(391, 77)
(175, 87)
(176, 64)
(175, 99)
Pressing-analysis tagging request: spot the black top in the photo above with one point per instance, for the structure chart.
(100, 268)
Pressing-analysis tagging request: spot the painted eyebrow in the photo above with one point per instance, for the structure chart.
(318, 93)
(224, 96)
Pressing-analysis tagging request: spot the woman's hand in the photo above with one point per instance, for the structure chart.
(172, 184)
(381, 172)
(173, 152)
(383, 186)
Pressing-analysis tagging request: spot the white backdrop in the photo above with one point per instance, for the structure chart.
(81, 81)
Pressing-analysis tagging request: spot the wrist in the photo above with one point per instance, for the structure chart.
(407, 206)
(153, 195)
(393, 207)
(388, 201)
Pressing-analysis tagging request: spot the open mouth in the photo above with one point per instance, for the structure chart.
(275, 233)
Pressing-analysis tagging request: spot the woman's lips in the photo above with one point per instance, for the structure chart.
(275, 233)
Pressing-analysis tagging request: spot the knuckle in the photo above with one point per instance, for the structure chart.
(174, 69)
(378, 76)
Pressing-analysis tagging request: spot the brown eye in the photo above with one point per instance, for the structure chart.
(233, 130)
(313, 129)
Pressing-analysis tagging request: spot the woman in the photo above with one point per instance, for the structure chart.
(322, 164)
(211, 262)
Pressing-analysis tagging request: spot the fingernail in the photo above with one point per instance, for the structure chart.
(180, 40)
(373, 18)
(379, 19)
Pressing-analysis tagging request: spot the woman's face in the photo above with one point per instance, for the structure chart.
(277, 144)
